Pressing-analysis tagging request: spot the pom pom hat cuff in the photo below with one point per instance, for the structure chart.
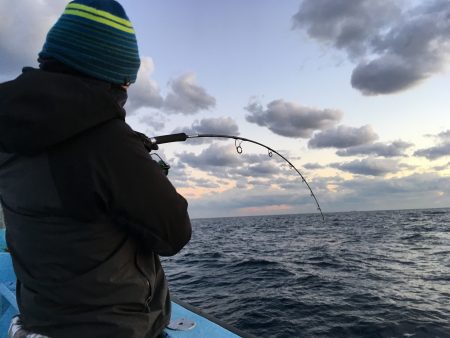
(96, 38)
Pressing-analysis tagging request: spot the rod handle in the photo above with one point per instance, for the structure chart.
(180, 137)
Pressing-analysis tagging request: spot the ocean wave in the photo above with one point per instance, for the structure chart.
(361, 274)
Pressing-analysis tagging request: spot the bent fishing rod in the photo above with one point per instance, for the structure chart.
(153, 142)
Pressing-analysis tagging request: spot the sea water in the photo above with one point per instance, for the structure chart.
(358, 274)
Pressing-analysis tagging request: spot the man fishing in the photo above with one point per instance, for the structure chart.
(87, 211)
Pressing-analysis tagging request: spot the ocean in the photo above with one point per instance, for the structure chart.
(358, 274)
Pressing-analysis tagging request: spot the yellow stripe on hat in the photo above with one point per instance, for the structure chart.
(99, 19)
(100, 12)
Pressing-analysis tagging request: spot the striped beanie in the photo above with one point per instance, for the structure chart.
(96, 38)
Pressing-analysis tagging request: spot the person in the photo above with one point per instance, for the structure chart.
(87, 210)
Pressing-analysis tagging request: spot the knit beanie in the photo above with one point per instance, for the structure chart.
(96, 38)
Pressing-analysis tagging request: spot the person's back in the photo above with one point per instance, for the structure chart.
(87, 210)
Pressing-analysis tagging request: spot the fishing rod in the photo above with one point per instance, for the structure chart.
(153, 142)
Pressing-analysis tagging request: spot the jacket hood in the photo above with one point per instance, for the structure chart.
(40, 109)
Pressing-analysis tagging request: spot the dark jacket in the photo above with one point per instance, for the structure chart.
(87, 210)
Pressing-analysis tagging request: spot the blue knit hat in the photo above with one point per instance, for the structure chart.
(96, 38)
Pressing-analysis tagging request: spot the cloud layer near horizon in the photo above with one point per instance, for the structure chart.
(360, 193)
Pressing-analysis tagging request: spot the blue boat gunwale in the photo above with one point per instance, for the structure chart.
(211, 318)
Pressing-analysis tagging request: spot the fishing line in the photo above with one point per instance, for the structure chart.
(181, 137)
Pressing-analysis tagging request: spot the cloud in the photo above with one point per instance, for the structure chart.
(145, 92)
(22, 35)
(440, 150)
(154, 120)
(385, 75)
(220, 125)
(186, 97)
(370, 167)
(178, 174)
(343, 137)
(394, 48)
(442, 167)
(312, 166)
(445, 135)
(290, 119)
(435, 152)
(290, 185)
(239, 202)
(360, 193)
(224, 162)
(261, 169)
(394, 149)
(215, 156)
(203, 183)
(378, 193)
(415, 183)
(347, 25)
(23, 30)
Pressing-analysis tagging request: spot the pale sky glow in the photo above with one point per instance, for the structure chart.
(355, 93)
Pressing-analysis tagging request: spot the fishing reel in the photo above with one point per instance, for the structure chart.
(163, 165)
(150, 146)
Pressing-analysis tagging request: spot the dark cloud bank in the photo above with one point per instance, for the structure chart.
(393, 149)
(343, 137)
(292, 120)
(395, 47)
(369, 166)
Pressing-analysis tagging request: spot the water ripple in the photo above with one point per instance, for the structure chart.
(360, 274)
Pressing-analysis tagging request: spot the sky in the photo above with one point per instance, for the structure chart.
(354, 93)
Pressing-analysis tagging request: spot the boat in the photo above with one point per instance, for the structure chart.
(187, 321)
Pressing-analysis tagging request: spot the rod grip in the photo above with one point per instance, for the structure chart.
(169, 138)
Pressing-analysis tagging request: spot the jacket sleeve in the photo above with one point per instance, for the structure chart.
(140, 197)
